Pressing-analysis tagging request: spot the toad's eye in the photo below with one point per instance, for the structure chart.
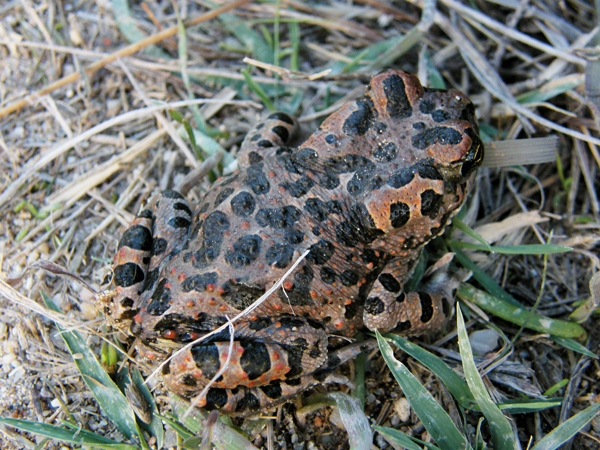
(474, 156)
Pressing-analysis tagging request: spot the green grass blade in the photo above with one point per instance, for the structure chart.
(574, 345)
(435, 420)
(223, 437)
(105, 391)
(502, 434)
(488, 283)
(470, 232)
(78, 437)
(455, 384)
(398, 437)
(568, 429)
(253, 41)
(521, 316)
(130, 30)
(523, 406)
(533, 249)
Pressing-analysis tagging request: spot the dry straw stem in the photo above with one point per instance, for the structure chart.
(130, 49)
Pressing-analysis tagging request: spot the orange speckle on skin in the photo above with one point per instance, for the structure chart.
(194, 336)
(168, 285)
(277, 324)
(138, 318)
(151, 356)
(190, 304)
(281, 189)
(288, 285)
(271, 174)
(220, 290)
(277, 306)
(212, 302)
(279, 367)
(338, 324)
(197, 374)
(370, 265)
(275, 357)
(210, 287)
(313, 294)
(223, 308)
(245, 225)
(348, 302)
(328, 292)
(170, 334)
(181, 276)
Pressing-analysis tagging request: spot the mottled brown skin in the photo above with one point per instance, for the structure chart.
(379, 179)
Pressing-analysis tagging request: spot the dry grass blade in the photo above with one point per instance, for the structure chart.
(133, 48)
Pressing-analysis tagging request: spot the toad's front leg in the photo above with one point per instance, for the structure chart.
(389, 308)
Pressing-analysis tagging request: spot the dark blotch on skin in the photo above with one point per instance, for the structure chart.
(221, 196)
(427, 106)
(344, 164)
(320, 210)
(137, 237)
(327, 275)
(374, 306)
(189, 380)
(180, 206)
(348, 277)
(360, 227)
(299, 294)
(169, 193)
(179, 222)
(272, 390)
(399, 214)
(386, 152)
(253, 157)
(331, 139)
(248, 402)
(160, 300)
(278, 218)
(294, 236)
(321, 252)
(282, 132)
(243, 204)
(430, 203)
(213, 229)
(245, 251)
(159, 245)
(398, 105)
(438, 135)
(426, 307)
(206, 357)
(389, 282)
(279, 255)
(255, 360)
(265, 143)
(151, 279)
(281, 116)
(128, 274)
(298, 188)
(240, 295)
(199, 282)
(440, 115)
(216, 398)
(257, 180)
(360, 120)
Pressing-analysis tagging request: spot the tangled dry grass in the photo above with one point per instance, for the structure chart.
(82, 148)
